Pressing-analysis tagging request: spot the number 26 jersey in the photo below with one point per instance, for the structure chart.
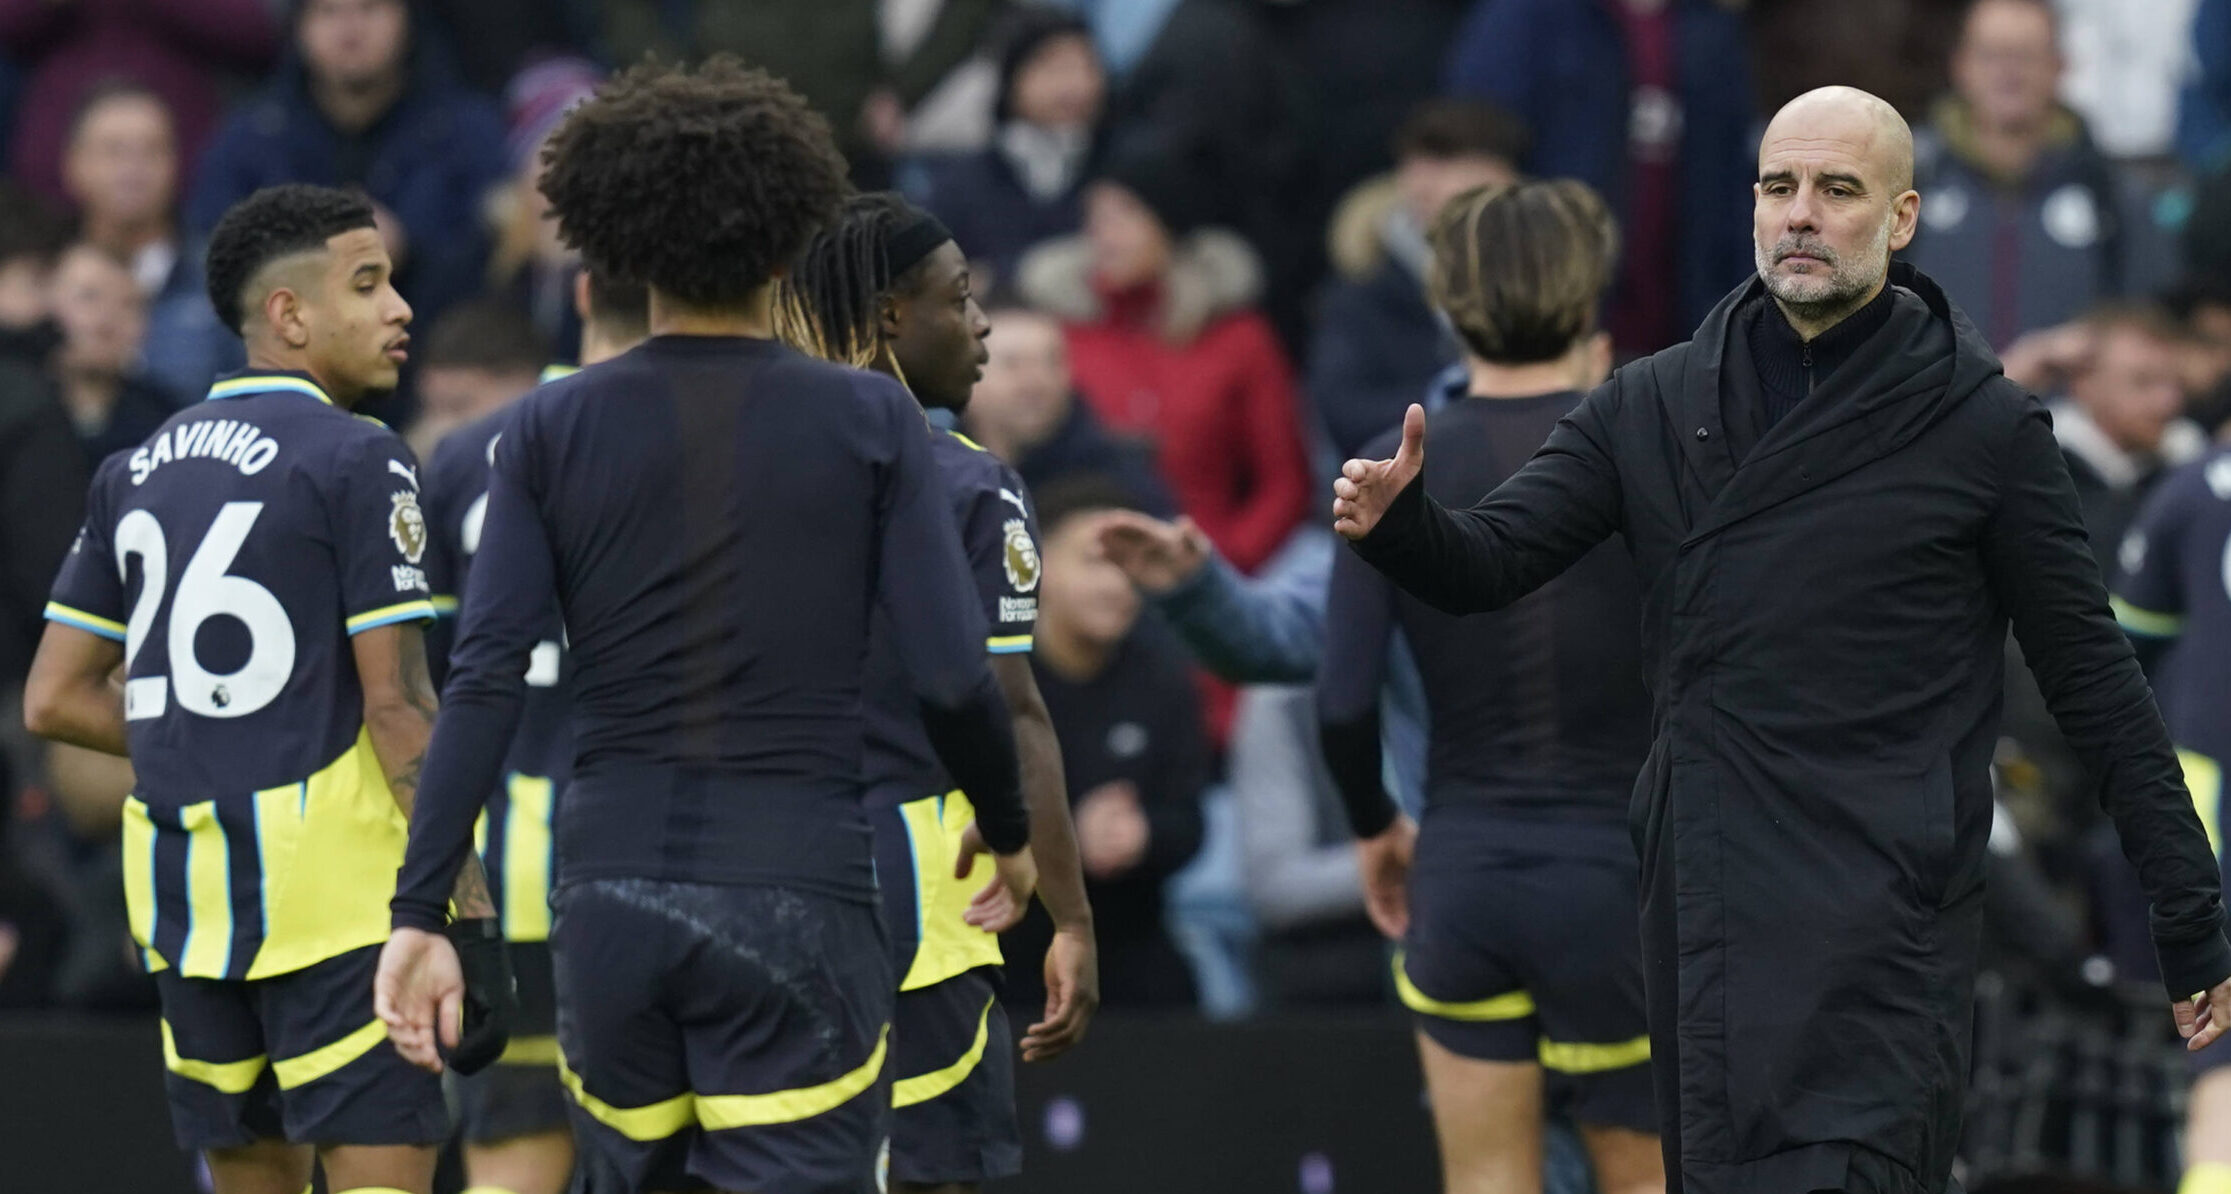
(235, 554)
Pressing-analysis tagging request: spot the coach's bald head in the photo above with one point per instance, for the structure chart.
(1835, 198)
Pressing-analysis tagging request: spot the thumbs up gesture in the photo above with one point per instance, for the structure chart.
(1365, 488)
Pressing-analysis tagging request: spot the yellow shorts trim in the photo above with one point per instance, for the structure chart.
(229, 1077)
(921, 1088)
(2208, 1177)
(1510, 1005)
(530, 1050)
(319, 1062)
(2145, 621)
(717, 1113)
(1576, 1058)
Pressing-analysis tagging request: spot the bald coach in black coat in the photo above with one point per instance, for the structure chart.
(1837, 505)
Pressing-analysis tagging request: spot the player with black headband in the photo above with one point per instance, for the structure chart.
(718, 517)
(887, 289)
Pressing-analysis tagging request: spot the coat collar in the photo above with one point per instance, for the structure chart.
(1921, 364)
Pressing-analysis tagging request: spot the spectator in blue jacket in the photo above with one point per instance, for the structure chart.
(1649, 102)
(1378, 342)
(355, 105)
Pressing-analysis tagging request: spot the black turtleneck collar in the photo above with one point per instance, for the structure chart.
(1789, 367)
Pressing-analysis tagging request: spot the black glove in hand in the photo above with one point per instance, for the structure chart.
(491, 995)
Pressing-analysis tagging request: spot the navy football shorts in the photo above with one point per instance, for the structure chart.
(1524, 945)
(298, 1056)
(736, 1037)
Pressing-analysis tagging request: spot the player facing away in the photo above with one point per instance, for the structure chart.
(256, 569)
(2173, 596)
(1521, 955)
(513, 1117)
(888, 289)
(718, 516)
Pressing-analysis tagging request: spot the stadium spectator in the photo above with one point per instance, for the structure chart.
(494, 41)
(1124, 708)
(360, 103)
(1649, 103)
(1298, 859)
(103, 317)
(1893, 48)
(530, 265)
(2121, 424)
(480, 356)
(2023, 221)
(1026, 411)
(839, 56)
(1027, 185)
(1378, 344)
(121, 169)
(1166, 343)
(1209, 73)
(2204, 106)
(174, 50)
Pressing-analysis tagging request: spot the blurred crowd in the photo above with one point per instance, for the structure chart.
(1199, 228)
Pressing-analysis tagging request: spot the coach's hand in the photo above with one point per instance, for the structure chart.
(491, 995)
(1365, 488)
(2204, 1017)
(1385, 865)
(1072, 993)
(419, 993)
(1158, 556)
(1000, 906)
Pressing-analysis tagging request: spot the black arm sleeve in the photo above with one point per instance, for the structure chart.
(2042, 569)
(1359, 619)
(1563, 502)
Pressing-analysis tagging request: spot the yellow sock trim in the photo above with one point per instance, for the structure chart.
(2208, 1177)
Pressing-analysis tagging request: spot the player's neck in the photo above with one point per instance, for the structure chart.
(754, 319)
(264, 357)
(1486, 379)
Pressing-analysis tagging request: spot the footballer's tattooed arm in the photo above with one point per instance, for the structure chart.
(399, 709)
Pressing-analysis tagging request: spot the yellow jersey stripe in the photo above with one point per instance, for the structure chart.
(139, 872)
(1510, 1005)
(1008, 644)
(964, 439)
(720, 1112)
(228, 1077)
(421, 610)
(208, 945)
(921, 1088)
(240, 387)
(552, 373)
(530, 1050)
(2145, 621)
(319, 1062)
(2204, 779)
(445, 606)
(526, 861)
(1578, 1058)
(654, 1121)
(108, 628)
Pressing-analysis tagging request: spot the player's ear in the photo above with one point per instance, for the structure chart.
(887, 316)
(282, 313)
(581, 293)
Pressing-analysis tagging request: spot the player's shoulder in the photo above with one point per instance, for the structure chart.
(464, 452)
(968, 465)
(2206, 479)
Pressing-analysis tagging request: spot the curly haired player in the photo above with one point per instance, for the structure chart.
(718, 516)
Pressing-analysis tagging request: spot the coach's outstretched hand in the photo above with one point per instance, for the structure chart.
(1000, 906)
(419, 993)
(1365, 488)
(2204, 1018)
